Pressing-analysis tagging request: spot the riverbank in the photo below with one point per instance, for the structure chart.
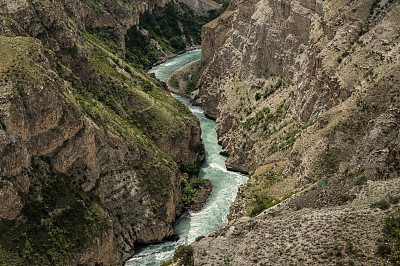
(181, 77)
(225, 184)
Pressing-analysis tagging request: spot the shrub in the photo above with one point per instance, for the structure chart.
(177, 42)
(390, 246)
(184, 255)
(263, 204)
(199, 238)
(191, 87)
(382, 204)
(174, 82)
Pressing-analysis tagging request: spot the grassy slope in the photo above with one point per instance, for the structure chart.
(57, 222)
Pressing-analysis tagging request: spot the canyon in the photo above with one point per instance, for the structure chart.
(306, 98)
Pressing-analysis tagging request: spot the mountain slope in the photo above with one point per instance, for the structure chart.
(90, 146)
(306, 98)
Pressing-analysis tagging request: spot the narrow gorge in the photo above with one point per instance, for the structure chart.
(193, 225)
(95, 153)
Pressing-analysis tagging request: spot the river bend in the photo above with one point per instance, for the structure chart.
(225, 183)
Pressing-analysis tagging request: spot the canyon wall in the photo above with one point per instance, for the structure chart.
(90, 147)
(313, 59)
(306, 99)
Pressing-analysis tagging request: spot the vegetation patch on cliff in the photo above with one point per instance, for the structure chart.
(58, 220)
(164, 31)
(195, 190)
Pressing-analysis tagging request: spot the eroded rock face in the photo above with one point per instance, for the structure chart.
(322, 60)
(201, 7)
(59, 121)
(11, 202)
(306, 236)
(302, 92)
(278, 29)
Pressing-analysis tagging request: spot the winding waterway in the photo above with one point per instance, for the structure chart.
(225, 183)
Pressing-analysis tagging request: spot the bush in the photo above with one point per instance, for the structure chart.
(390, 246)
(382, 204)
(184, 255)
(174, 82)
(177, 42)
(263, 204)
(191, 87)
(147, 86)
(199, 238)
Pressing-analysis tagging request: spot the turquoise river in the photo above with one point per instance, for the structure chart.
(225, 183)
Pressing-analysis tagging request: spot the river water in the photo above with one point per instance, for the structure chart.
(225, 183)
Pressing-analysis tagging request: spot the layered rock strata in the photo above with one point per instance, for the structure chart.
(305, 94)
(73, 112)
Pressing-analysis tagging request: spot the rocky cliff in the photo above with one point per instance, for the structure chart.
(306, 98)
(201, 7)
(90, 147)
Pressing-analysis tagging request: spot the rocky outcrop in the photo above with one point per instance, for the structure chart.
(74, 113)
(333, 235)
(308, 68)
(201, 7)
(303, 92)
(179, 80)
(102, 249)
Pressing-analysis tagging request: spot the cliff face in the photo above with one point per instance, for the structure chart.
(304, 91)
(297, 56)
(201, 7)
(90, 148)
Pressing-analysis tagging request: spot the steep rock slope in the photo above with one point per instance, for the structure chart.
(306, 98)
(201, 7)
(90, 147)
(166, 30)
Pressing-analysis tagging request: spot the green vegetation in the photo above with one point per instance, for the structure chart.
(191, 87)
(190, 182)
(284, 141)
(187, 190)
(184, 254)
(262, 204)
(381, 204)
(269, 90)
(174, 82)
(389, 247)
(61, 220)
(264, 118)
(163, 26)
(257, 190)
(199, 238)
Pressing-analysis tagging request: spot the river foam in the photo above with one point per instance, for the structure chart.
(225, 183)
